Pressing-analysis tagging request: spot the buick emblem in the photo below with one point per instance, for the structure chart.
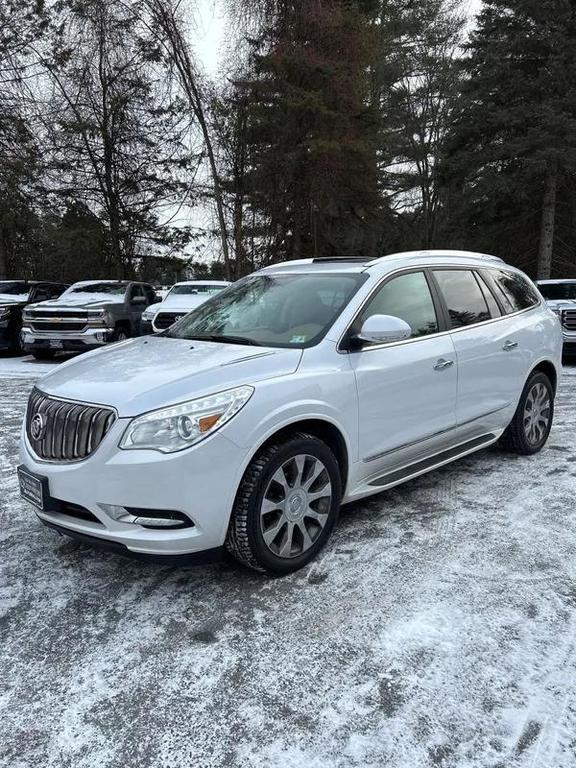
(37, 427)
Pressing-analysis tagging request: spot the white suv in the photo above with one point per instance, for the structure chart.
(301, 387)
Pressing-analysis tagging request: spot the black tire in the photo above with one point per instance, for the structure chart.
(245, 539)
(44, 354)
(121, 333)
(516, 438)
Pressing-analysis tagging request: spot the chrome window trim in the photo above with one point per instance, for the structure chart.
(421, 268)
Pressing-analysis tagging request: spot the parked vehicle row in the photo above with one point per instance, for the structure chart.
(44, 318)
(246, 424)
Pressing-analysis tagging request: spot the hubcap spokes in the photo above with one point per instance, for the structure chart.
(537, 414)
(295, 506)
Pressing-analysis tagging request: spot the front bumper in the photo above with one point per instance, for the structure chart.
(200, 482)
(67, 341)
(146, 327)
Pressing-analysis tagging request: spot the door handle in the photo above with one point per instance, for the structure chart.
(442, 364)
(510, 345)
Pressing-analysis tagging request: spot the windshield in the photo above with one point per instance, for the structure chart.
(110, 289)
(557, 291)
(16, 289)
(272, 310)
(188, 290)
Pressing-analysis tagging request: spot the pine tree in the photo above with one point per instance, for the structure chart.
(512, 154)
(310, 180)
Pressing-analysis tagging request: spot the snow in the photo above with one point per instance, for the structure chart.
(23, 367)
(437, 630)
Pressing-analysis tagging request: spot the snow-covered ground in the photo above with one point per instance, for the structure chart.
(24, 367)
(439, 629)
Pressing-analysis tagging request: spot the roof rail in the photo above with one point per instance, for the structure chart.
(355, 259)
(438, 253)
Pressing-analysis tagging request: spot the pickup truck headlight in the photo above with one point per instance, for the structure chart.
(178, 427)
(4, 312)
(98, 317)
(148, 314)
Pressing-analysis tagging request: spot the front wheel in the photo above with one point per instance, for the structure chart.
(121, 333)
(286, 506)
(528, 431)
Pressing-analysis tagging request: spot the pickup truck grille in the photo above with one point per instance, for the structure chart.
(569, 319)
(57, 320)
(61, 325)
(164, 320)
(59, 430)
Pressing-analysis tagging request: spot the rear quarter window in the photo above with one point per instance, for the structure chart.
(514, 290)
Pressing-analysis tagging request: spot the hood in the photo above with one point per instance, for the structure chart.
(80, 300)
(185, 302)
(143, 374)
(561, 303)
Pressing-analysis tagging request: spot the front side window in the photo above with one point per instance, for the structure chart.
(275, 310)
(464, 299)
(515, 291)
(407, 297)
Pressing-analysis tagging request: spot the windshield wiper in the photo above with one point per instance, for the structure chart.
(226, 339)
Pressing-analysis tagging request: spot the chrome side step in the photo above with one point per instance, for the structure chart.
(433, 462)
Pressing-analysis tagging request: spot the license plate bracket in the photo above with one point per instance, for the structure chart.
(35, 489)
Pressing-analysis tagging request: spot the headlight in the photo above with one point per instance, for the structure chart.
(98, 316)
(4, 312)
(173, 429)
(148, 314)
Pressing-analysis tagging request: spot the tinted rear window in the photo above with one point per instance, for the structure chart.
(514, 290)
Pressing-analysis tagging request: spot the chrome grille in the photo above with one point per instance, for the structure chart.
(164, 320)
(68, 431)
(569, 319)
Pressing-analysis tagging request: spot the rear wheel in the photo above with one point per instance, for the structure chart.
(44, 354)
(286, 506)
(528, 431)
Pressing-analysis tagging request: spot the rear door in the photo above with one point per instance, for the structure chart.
(406, 390)
(487, 345)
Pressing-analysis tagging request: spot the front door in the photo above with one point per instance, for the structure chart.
(406, 390)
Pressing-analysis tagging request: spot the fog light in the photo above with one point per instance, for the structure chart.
(147, 518)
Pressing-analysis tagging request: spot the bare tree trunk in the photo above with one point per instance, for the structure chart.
(174, 40)
(548, 222)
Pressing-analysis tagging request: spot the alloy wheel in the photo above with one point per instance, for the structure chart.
(295, 506)
(537, 411)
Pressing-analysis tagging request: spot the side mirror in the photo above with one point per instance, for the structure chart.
(138, 301)
(384, 329)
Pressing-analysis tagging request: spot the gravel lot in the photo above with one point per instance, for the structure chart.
(438, 630)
